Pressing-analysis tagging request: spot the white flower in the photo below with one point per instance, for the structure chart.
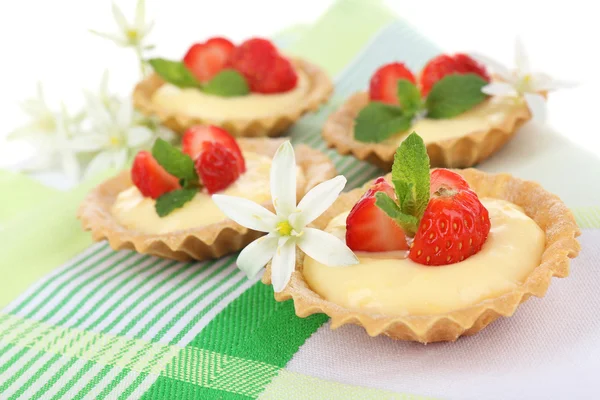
(521, 81)
(43, 119)
(288, 227)
(129, 35)
(114, 138)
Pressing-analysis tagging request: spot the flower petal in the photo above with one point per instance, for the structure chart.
(119, 18)
(326, 248)
(499, 89)
(138, 136)
(101, 162)
(537, 105)
(316, 201)
(521, 58)
(125, 114)
(495, 66)
(112, 37)
(245, 212)
(284, 263)
(257, 254)
(119, 159)
(70, 165)
(88, 142)
(283, 180)
(543, 82)
(140, 14)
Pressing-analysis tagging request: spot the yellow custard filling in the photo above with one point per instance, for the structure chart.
(395, 286)
(136, 212)
(483, 117)
(194, 103)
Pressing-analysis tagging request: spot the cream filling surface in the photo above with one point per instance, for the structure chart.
(136, 212)
(194, 103)
(395, 286)
(483, 117)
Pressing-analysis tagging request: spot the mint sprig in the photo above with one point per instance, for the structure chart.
(410, 177)
(174, 72)
(171, 201)
(450, 96)
(180, 165)
(454, 94)
(227, 83)
(378, 121)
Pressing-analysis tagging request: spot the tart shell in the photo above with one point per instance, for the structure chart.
(546, 209)
(461, 152)
(320, 90)
(204, 242)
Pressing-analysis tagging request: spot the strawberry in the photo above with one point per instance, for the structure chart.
(205, 60)
(195, 136)
(265, 70)
(150, 177)
(384, 87)
(455, 224)
(217, 166)
(443, 65)
(369, 228)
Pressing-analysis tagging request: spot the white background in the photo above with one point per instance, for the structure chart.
(48, 41)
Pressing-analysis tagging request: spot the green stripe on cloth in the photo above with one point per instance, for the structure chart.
(242, 331)
(587, 217)
(184, 372)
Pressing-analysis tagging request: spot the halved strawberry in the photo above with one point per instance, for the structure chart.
(265, 70)
(195, 136)
(205, 60)
(444, 177)
(369, 228)
(384, 82)
(217, 167)
(150, 177)
(442, 65)
(455, 224)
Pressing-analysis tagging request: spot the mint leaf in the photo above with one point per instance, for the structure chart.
(227, 83)
(378, 121)
(174, 72)
(410, 176)
(454, 94)
(409, 96)
(408, 223)
(168, 202)
(174, 161)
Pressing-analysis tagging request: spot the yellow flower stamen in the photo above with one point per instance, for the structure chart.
(115, 141)
(284, 228)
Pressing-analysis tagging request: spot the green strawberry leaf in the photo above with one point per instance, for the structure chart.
(168, 202)
(378, 121)
(454, 94)
(410, 175)
(227, 83)
(174, 161)
(174, 72)
(409, 96)
(408, 223)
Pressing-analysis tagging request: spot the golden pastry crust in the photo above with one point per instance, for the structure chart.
(321, 88)
(204, 242)
(461, 152)
(546, 209)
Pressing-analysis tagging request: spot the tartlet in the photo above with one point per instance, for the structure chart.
(546, 209)
(459, 152)
(204, 242)
(320, 89)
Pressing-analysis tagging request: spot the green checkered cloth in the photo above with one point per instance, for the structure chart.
(81, 321)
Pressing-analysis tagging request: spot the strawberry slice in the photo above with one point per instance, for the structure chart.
(205, 60)
(265, 70)
(150, 177)
(384, 82)
(368, 228)
(217, 167)
(194, 138)
(442, 65)
(455, 224)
